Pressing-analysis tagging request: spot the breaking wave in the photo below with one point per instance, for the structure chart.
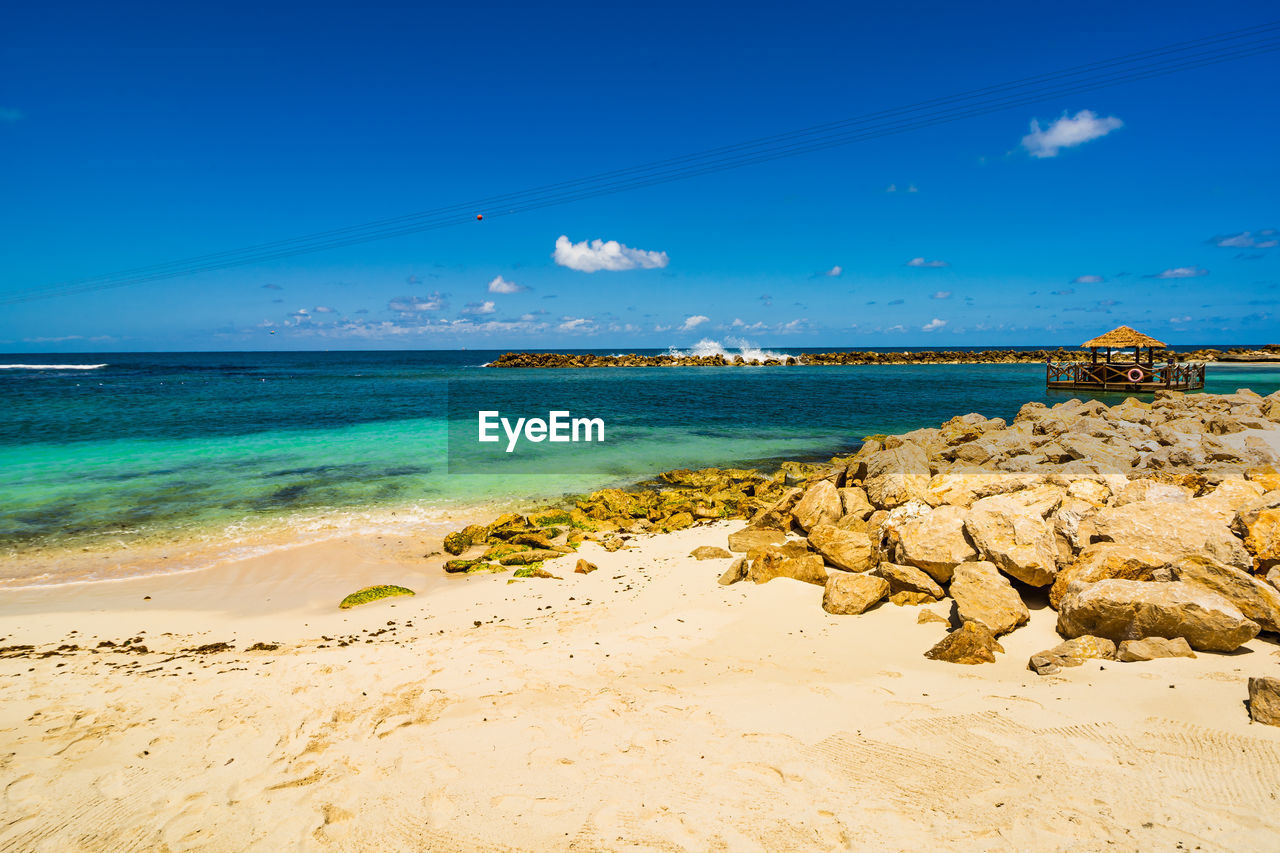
(735, 347)
(50, 366)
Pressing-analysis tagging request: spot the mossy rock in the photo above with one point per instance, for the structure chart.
(508, 525)
(529, 557)
(454, 566)
(480, 567)
(549, 517)
(533, 540)
(373, 593)
(535, 571)
(679, 521)
(497, 552)
(457, 542)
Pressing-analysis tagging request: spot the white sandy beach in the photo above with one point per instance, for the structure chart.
(641, 707)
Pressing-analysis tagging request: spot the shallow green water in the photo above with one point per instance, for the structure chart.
(168, 444)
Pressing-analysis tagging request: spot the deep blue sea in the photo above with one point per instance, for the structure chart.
(118, 445)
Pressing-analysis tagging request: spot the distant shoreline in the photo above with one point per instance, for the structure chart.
(852, 358)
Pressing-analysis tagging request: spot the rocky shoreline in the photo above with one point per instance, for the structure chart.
(1153, 529)
(855, 357)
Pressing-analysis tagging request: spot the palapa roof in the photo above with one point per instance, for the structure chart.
(1122, 337)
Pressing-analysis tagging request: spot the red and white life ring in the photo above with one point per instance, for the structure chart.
(1135, 374)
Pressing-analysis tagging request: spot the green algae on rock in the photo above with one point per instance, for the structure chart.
(373, 593)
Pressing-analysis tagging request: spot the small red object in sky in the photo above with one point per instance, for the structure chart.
(479, 216)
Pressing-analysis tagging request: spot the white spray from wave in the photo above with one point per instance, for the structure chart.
(50, 366)
(748, 351)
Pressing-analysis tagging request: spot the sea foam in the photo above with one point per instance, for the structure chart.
(50, 366)
(749, 352)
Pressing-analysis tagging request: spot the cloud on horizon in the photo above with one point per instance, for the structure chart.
(1067, 132)
(610, 255)
(921, 262)
(693, 321)
(933, 325)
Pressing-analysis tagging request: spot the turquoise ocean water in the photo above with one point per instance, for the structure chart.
(114, 447)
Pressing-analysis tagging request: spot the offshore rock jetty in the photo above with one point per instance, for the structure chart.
(1153, 529)
(856, 357)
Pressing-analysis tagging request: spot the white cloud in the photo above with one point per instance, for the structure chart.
(1181, 272)
(485, 307)
(933, 325)
(501, 285)
(921, 262)
(693, 322)
(573, 324)
(1067, 133)
(1088, 279)
(1186, 319)
(836, 271)
(590, 256)
(1264, 239)
(417, 304)
(942, 294)
(323, 309)
(912, 189)
(892, 188)
(800, 324)
(897, 328)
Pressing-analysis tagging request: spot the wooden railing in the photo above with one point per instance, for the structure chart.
(1125, 374)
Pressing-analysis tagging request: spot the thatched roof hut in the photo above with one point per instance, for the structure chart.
(1123, 337)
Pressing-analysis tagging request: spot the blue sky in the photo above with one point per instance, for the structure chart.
(140, 133)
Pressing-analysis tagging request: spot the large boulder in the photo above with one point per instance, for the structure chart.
(1105, 560)
(1256, 599)
(851, 594)
(770, 564)
(971, 643)
(778, 515)
(821, 504)
(755, 539)
(936, 542)
(1152, 648)
(984, 595)
(896, 475)
(1261, 536)
(1264, 700)
(1071, 653)
(1152, 490)
(908, 579)
(855, 503)
(849, 550)
(1231, 496)
(737, 571)
(1131, 610)
(1015, 536)
(1177, 529)
(1101, 455)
